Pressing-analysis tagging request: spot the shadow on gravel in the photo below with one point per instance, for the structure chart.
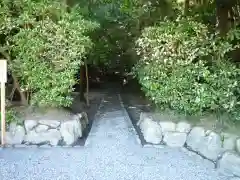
(78, 107)
(135, 103)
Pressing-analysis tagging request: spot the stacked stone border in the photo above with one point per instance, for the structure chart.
(47, 132)
(54, 127)
(221, 149)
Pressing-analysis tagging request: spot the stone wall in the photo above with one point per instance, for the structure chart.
(53, 127)
(222, 149)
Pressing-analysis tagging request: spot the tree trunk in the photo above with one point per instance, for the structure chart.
(186, 7)
(87, 83)
(24, 100)
(15, 80)
(222, 19)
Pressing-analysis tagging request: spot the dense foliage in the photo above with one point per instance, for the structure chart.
(121, 24)
(47, 44)
(184, 67)
(180, 59)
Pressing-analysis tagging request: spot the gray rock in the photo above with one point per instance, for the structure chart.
(84, 119)
(142, 118)
(41, 128)
(211, 146)
(183, 127)
(15, 135)
(229, 142)
(151, 130)
(52, 136)
(229, 164)
(175, 139)
(238, 145)
(195, 137)
(30, 124)
(167, 126)
(71, 130)
(50, 123)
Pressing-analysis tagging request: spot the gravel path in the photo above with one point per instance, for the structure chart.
(112, 152)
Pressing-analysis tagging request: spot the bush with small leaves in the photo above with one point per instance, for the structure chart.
(10, 117)
(185, 68)
(48, 46)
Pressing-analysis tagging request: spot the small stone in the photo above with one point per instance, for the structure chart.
(71, 130)
(194, 139)
(229, 164)
(52, 136)
(175, 139)
(167, 126)
(183, 127)
(238, 145)
(30, 124)
(151, 130)
(15, 135)
(50, 123)
(41, 128)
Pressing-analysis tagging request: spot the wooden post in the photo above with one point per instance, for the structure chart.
(3, 80)
(3, 120)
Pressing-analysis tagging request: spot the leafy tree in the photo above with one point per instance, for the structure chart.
(46, 43)
(185, 68)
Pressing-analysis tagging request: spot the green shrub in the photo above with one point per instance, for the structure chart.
(48, 46)
(11, 116)
(185, 68)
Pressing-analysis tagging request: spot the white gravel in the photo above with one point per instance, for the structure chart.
(111, 153)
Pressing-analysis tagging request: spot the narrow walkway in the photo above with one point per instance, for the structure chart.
(112, 127)
(112, 152)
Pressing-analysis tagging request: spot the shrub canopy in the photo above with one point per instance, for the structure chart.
(47, 44)
(185, 68)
